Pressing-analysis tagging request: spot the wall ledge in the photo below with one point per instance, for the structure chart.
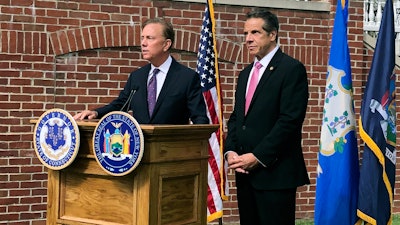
(320, 6)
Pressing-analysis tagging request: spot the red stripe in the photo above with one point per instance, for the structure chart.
(211, 108)
(214, 119)
(211, 161)
(210, 201)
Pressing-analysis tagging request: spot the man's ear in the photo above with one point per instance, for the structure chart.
(167, 44)
(273, 35)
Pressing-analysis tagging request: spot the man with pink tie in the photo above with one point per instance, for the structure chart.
(263, 144)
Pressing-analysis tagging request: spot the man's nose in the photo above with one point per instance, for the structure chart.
(249, 38)
(143, 42)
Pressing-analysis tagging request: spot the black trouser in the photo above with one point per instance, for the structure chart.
(265, 207)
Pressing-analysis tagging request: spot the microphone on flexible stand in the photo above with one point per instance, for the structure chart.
(129, 100)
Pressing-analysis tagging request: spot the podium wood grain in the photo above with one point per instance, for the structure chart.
(169, 187)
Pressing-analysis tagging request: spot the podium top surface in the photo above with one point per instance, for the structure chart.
(155, 129)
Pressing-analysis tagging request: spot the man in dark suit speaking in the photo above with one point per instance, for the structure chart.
(161, 92)
(263, 144)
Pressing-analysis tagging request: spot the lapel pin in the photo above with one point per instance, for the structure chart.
(271, 68)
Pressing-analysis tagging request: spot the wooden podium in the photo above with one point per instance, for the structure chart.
(168, 187)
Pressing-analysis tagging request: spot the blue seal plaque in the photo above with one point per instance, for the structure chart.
(56, 139)
(118, 143)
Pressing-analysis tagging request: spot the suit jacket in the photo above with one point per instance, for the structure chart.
(272, 128)
(180, 98)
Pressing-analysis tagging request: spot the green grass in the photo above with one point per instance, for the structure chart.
(304, 222)
(396, 221)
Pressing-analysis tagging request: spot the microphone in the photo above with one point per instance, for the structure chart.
(129, 100)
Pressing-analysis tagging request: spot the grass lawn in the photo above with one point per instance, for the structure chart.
(396, 221)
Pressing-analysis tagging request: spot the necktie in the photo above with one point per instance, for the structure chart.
(252, 85)
(152, 91)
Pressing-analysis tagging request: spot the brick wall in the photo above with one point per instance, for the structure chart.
(78, 54)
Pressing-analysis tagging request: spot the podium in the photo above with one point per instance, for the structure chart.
(168, 187)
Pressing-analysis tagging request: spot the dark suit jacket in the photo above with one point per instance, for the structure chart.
(271, 130)
(180, 98)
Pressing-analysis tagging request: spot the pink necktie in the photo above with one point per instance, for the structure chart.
(252, 85)
(152, 91)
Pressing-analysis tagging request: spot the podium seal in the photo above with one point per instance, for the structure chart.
(56, 139)
(118, 143)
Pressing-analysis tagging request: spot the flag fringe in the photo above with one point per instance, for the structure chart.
(219, 99)
(378, 153)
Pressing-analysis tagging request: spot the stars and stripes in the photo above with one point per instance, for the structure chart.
(207, 67)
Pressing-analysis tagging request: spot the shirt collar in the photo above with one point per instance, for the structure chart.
(164, 67)
(266, 59)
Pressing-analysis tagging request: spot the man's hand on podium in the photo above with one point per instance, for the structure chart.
(86, 114)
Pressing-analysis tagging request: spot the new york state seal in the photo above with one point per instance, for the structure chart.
(118, 143)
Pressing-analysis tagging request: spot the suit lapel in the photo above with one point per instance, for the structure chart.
(142, 79)
(241, 89)
(169, 79)
(273, 64)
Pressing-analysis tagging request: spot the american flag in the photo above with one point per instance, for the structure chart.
(207, 67)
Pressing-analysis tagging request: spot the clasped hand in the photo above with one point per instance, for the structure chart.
(241, 163)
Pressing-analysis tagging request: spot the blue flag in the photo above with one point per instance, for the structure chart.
(378, 129)
(338, 165)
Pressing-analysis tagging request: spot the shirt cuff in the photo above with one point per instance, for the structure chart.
(226, 154)
(260, 162)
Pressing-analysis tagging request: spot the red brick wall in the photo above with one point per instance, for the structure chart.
(78, 54)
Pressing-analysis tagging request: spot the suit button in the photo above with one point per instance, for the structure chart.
(243, 127)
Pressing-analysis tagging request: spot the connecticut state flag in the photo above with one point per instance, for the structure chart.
(338, 165)
(377, 126)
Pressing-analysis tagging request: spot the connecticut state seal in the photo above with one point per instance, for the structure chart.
(56, 139)
(118, 143)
